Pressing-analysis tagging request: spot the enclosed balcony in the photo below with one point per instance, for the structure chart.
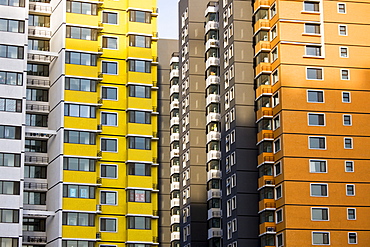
(214, 232)
(174, 73)
(212, 98)
(174, 105)
(174, 89)
(175, 186)
(175, 202)
(212, 80)
(174, 121)
(212, 43)
(211, 25)
(175, 236)
(214, 193)
(213, 136)
(213, 174)
(40, 8)
(175, 219)
(174, 169)
(214, 213)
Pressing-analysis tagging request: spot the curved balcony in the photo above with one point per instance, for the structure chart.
(175, 202)
(40, 8)
(211, 25)
(262, 46)
(174, 153)
(174, 89)
(175, 186)
(174, 105)
(214, 233)
(174, 169)
(214, 213)
(174, 73)
(175, 236)
(174, 121)
(212, 43)
(213, 117)
(213, 98)
(212, 79)
(268, 181)
(175, 219)
(262, 24)
(263, 68)
(213, 193)
(174, 137)
(263, 90)
(212, 61)
(213, 136)
(212, 174)
(264, 112)
(39, 32)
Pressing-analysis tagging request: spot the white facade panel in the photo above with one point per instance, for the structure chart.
(10, 146)
(10, 173)
(10, 230)
(11, 201)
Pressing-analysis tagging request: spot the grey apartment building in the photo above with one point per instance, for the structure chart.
(213, 154)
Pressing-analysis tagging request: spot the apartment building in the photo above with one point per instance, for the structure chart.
(78, 124)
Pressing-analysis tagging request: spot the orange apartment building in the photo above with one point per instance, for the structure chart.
(312, 61)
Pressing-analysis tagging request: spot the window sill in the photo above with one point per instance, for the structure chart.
(310, 56)
(312, 34)
(311, 12)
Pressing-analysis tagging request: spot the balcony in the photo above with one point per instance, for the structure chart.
(174, 73)
(174, 58)
(213, 136)
(39, 33)
(39, 58)
(175, 186)
(263, 68)
(175, 219)
(267, 227)
(213, 117)
(38, 135)
(212, 79)
(175, 202)
(174, 121)
(30, 186)
(214, 233)
(266, 181)
(265, 158)
(32, 240)
(261, 3)
(212, 174)
(37, 160)
(265, 135)
(174, 169)
(174, 137)
(211, 25)
(40, 8)
(174, 153)
(212, 98)
(267, 204)
(37, 108)
(262, 46)
(264, 90)
(213, 155)
(175, 236)
(212, 61)
(264, 112)
(214, 213)
(38, 83)
(213, 193)
(174, 89)
(262, 24)
(174, 105)
(212, 43)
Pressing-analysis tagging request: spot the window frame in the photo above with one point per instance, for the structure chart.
(310, 55)
(101, 192)
(323, 96)
(321, 233)
(349, 237)
(346, 30)
(348, 139)
(109, 62)
(314, 113)
(107, 13)
(355, 215)
(103, 88)
(310, 165)
(282, 216)
(349, 97)
(277, 240)
(352, 165)
(316, 69)
(274, 127)
(100, 224)
(101, 146)
(278, 164)
(342, 76)
(353, 187)
(350, 119)
(340, 51)
(339, 9)
(108, 113)
(309, 11)
(327, 189)
(279, 187)
(326, 208)
(314, 25)
(101, 173)
(278, 143)
(309, 143)
(110, 37)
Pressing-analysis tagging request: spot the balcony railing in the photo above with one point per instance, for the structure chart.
(38, 108)
(35, 186)
(36, 159)
(40, 8)
(34, 239)
(39, 58)
(37, 82)
(39, 33)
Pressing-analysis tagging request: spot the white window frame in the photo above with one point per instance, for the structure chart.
(307, 11)
(349, 94)
(271, 12)
(282, 216)
(356, 238)
(345, 8)
(320, 208)
(273, 122)
(322, 73)
(115, 113)
(309, 165)
(323, 96)
(340, 51)
(108, 218)
(274, 74)
(315, 113)
(341, 74)
(109, 61)
(327, 189)
(321, 232)
(280, 143)
(104, 164)
(115, 37)
(100, 194)
(274, 54)
(345, 165)
(350, 119)
(354, 211)
(339, 26)
(273, 33)
(281, 190)
(109, 139)
(101, 93)
(274, 104)
(282, 239)
(317, 137)
(112, 12)
(281, 168)
(354, 189)
(344, 142)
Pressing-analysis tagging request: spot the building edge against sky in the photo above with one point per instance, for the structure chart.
(78, 150)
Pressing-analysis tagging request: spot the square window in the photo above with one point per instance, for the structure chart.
(319, 190)
(350, 189)
(352, 238)
(341, 8)
(318, 166)
(351, 213)
(347, 120)
(344, 74)
(314, 73)
(315, 96)
(315, 119)
(319, 214)
(320, 238)
(108, 171)
(108, 225)
(109, 68)
(108, 197)
(342, 30)
(312, 50)
(343, 51)
(311, 6)
(350, 167)
(348, 144)
(312, 28)
(108, 145)
(110, 18)
(109, 119)
(346, 97)
(110, 43)
(317, 143)
(109, 93)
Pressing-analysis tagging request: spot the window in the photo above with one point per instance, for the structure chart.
(315, 96)
(81, 8)
(311, 6)
(318, 166)
(141, 117)
(140, 91)
(80, 58)
(39, 20)
(140, 41)
(277, 168)
(109, 93)
(38, 45)
(79, 191)
(347, 120)
(351, 213)
(346, 97)
(138, 222)
(9, 242)
(279, 192)
(341, 8)
(34, 225)
(350, 166)
(37, 95)
(350, 189)
(37, 69)
(312, 50)
(77, 243)
(317, 143)
(140, 143)
(275, 99)
(316, 119)
(36, 146)
(8, 159)
(78, 219)
(140, 16)
(277, 146)
(319, 190)
(35, 172)
(279, 240)
(139, 169)
(13, 26)
(279, 216)
(110, 43)
(108, 225)
(74, 110)
(273, 32)
(78, 84)
(274, 54)
(81, 33)
(108, 197)
(11, 105)
(10, 132)
(11, 78)
(344, 74)
(110, 18)
(11, 51)
(273, 10)
(79, 164)
(34, 198)
(109, 68)
(352, 238)
(108, 145)
(139, 66)
(139, 195)
(276, 122)
(342, 30)
(109, 119)
(314, 74)
(108, 171)
(319, 214)
(343, 51)
(320, 238)
(348, 144)
(312, 28)
(9, 216)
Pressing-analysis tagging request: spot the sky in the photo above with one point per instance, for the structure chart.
(167, 19)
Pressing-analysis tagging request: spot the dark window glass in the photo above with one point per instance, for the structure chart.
(79, 137)
(140, 117)
(37, 120)
(11, 78)
(78, 219)
(109, 68)
(110, 18)
(109, 145)
(140, 91)
(139, 196)
(74, 110)
(139, 169)
(34, 225)
(10, 132)
(10, 51)
(81, 58)
(140, 16)
(10, 105)
(79, 191)
(7, 159)
(78, 84)
(79, 164)
(13, 26)
(35, 172)
(81, 33)
(36, 146)
(139, 143)
(34, 198)
(39, 20)
(140, 66)
(37, 94)
(81, 8)
(140, 41)
(109, 93)
(139, 223)
(108, 225)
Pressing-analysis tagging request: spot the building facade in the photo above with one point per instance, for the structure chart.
(78, 124)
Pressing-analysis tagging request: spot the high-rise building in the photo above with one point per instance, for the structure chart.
(78, 123)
